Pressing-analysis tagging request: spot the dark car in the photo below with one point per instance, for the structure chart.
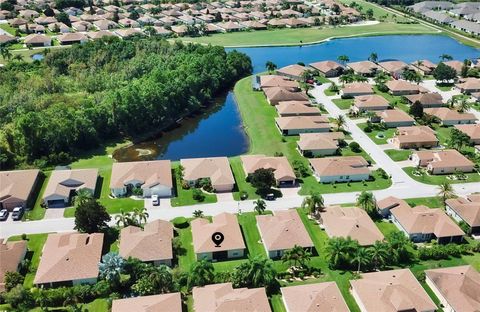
(3, 214)
(270, 196)
(17, 213)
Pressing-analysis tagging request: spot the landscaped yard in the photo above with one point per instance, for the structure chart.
(379, 136)
(398, 155)
(241, 184)
(343, 103)
(251, 234)
(38, 212)
(444, 86)
(187, 257)
(432, 202)
(439, 179)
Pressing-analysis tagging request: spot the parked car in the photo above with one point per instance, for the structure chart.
(3, 214)
(17, 213)
(155, 200)
(270, 196)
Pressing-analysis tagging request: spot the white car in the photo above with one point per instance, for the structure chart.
(155, 200)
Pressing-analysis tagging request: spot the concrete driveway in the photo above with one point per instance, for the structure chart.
(224, 197)
(430, 85)
(54, 213)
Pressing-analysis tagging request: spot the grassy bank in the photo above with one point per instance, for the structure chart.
(439, 179)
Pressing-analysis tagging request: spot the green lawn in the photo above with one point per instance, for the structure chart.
(444, 86)
(38, 212)
(329, 93)
(398, 155)
(241, 184)
(386, 227)
(276, 303)
(252, 238)
(439, 179)
(9, 29)
(295, 36)
(185, 197)
(443, 133)
(343, 103)
(187, 257)
(387, 133)
(432, 202)
(35, 246)
(378, 12)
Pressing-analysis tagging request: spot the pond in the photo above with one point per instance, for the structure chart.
(218, 131)
(38, 57)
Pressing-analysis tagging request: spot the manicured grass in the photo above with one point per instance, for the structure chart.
(277, 304)
(443, 134)
(379, 13)
(387, 133)
(398, 155)
(439, 179)
(9, 29)
(295, 36)
(38, 212)
(187, 257)
(444, 86)
(35, 246)
(185, 197)
(343, 103)
(251, 235)
(347, 151)
(98, 305)
(241, 184)
(386, 227)
(328, 92)
(432, 202)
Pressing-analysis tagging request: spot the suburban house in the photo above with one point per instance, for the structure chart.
(394, 68)
(223, 297)
(449, 117)
(403, 87)
(153, 177)
(153, 243)
(64, 183)
(428, 100)
(319, 144)
(37, 40)
(422, 224)
(340, 169)
(282, 231)
(350, 222)
(72, 38)
(270, 81)
(69, 259)
(328, 68)
(473, 132)
(385, 205)
(283, 171)
(11, 255)
(415, 137)
(296, 108)
(426, 67)
(313, 297)
(373, 102)
(364, 68)
(295, 125)
(457, 288)
(172, 302)
(275, 95)
(442, 161)
(468, 85)
(388, 291)
(232, 246)
(16, 188)
(217, 169)
(293, 71)
(357, 89)
(457, 65)
(465, 210)
(393, 118)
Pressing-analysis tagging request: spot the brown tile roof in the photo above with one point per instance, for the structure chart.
(69, 256)
(445, 114)
(460, 286)
(369, 101)
(421, 219)
(171, 302)
(342, 165)
(357, 87)
(469, 84)
(415, 134)
(216, 168)
(226, 223)
(403, 85)
(425, 98)
(392, 291)
(391, 202)
(283, 230)
(224, 298)
(279, 94)
(292, 70)
(61, 182)
(326, 66)
(314, 141)
(426, 65)
(394, 66)
(395, 115)
(37, 39)
(150, 173)
(473, 131)
(153, 243)
(302, 122)
(283, 169)
(69, 37)
(443, 159)
(457, 65)
(467, 208)
(296, 108)
(314, 298)
(11, 254)
(363, 67)
(17, 185)
(351, 222)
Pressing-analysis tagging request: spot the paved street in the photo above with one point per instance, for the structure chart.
(403, 186)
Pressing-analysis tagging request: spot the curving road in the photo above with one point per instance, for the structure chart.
(403, 186)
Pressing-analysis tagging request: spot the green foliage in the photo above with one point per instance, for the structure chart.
(201, 274)
(416, 110)
(180, 222)
(111, 267)
(301, 170)
(444, 73)
(262, 179)
(458, 139)
(260, 206)
(158, 280)
(19, 298)
(198, 195)
(91, 216)
(256, 272)
(12, 279)
(355, 147)
(438, 252)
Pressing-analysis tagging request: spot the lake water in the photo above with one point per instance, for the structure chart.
(219, 132)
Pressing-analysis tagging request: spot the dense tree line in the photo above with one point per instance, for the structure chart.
(78, 97)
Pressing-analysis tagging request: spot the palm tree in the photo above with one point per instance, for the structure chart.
(337, 250)
(82, 196)
(360, 257)
(343, 59)
(198, 214)
(446, 57)
(270, 66)
(111, 267)
(339, 122)
(124, 219)
(378, 254)
(366, 200)
(381, 77)
(314, 203)
(400, 246)
(445, 191)
(201, 274)
(254, 273)
(296, 255)
(260, 206)
(140, 215)
(462, 105)
(5, 52)
(162, 278)
(17, 57)
(373, 57)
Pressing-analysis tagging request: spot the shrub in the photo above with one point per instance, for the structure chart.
(355, 147)
(180, 222)
(185, 185)
(382, 87)
(198, 195)
(367, 129)
(243, 195)
(382, 173)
